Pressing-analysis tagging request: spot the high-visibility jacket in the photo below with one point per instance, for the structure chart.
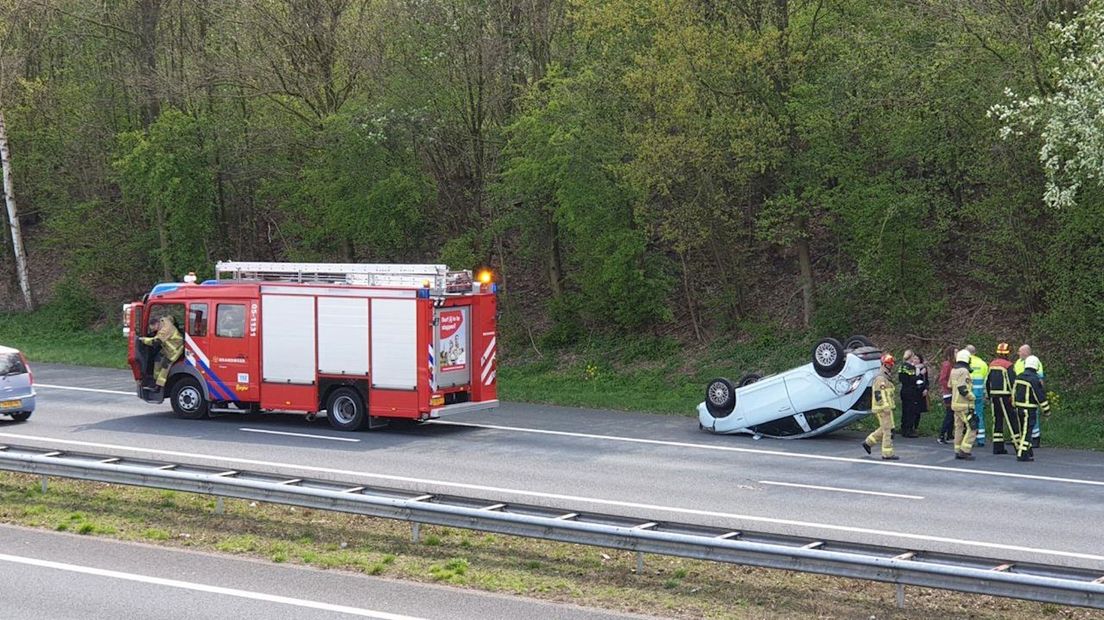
(1029, 393)
(962, 393)
(999, 381)
(1018, 368)
(882, 392)
(172, 343)
(978, 371)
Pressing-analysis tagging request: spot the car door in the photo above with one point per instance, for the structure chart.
(233, 350)
(809, 392)
(761, 402)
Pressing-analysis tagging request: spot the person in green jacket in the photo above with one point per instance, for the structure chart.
(979, 372)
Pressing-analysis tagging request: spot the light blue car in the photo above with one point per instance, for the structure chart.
(825, 395)
(17, 395)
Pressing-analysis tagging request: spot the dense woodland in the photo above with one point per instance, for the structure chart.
(687, 167)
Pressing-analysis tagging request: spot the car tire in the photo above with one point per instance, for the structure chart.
(720, 397)
(856, 341)
(828, 357)
(748, 379)
(187, 399)
(345, 409)
(22, 416)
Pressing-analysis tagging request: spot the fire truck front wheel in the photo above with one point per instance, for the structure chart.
(187, 399)
(345, 409)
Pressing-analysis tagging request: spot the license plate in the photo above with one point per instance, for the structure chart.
(10, 404)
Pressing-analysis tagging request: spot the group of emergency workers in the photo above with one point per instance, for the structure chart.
(1015, 391)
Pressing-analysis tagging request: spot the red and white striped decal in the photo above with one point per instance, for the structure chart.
(487, 362)
(432, 377)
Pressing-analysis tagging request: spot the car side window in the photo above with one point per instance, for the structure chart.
(231, 321)
(197, 320)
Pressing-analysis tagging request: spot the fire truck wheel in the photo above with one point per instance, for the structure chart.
(187, 399)
(345, 409)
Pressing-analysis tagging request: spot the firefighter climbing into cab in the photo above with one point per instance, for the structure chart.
(172, 347)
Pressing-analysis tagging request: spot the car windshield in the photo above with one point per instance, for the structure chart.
(11, 364)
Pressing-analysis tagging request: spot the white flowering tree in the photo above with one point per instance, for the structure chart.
(1070, 120)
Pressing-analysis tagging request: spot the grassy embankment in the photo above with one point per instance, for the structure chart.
(668, 587)
(645, 374)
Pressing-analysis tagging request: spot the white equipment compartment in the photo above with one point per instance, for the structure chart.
(343, 336)
(395, 344)
(287, 339)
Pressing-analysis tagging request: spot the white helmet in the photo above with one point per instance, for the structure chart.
(963, 356)
(1031, 362)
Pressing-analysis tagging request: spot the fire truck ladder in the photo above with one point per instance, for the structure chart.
(439, 277)
(1067, 585)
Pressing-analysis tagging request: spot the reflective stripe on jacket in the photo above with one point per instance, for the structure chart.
(999, 382)
(962, 393)
(882, 392)
(1029, 393)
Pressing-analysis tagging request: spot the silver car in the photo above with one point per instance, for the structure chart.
(17, 395)
(825, 395)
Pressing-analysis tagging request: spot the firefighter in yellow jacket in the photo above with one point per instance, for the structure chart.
(962, 403)
(172, 347)
(882, 395)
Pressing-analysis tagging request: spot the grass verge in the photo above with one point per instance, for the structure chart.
(42, 337)
(668, 587)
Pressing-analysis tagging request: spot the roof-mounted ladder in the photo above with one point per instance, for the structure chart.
(439, 277)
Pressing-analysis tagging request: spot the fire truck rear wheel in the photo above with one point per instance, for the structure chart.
(345, 409)
(187, 399)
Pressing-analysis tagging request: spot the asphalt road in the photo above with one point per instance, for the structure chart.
(655, 467)
(62, 576)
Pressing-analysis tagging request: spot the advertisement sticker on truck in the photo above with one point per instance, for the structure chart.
(454, 339)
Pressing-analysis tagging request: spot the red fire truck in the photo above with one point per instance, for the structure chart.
(364, 343)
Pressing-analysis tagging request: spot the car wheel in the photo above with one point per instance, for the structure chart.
(188, 400)
(22, 416)
(828, 357)
(748, 379)
(345, 409)
(855, 342)
(720, 398)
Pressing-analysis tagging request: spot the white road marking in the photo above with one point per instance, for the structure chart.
(794, 455)
(200, 587)
(856, 491)
(570, 498)
(82, 389)
(267, 432)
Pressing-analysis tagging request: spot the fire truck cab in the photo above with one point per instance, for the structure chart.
(364, 343)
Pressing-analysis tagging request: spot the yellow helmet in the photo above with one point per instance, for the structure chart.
(1004, 349)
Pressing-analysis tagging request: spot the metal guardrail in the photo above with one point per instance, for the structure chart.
(1035, 582)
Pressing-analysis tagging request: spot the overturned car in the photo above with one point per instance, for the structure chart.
(825, 395)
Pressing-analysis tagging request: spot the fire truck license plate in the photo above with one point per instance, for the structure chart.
(10, 404)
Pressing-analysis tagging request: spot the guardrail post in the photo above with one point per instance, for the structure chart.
(45, 484)
(219, 507)
(415, 532)
(639, 562)
(900, 596)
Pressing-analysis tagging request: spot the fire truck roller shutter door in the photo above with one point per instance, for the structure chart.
(343, 336)
(395, 344)
(287, 339)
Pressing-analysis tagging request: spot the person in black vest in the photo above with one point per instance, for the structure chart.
(914, 390)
